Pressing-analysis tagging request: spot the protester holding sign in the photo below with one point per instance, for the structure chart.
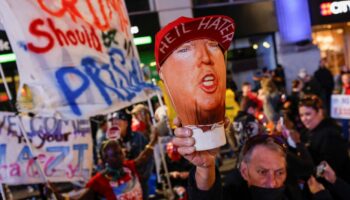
(133, 143)
(120, 178)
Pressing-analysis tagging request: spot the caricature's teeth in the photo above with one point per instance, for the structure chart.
(208, 78)
(208, 83)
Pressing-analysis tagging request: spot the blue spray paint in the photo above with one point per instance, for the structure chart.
(24, 155)
(71, 94)
(64, 151)
(81, 152)
(2, 154)
(125, 84)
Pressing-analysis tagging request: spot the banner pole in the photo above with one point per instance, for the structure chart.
(162, 104)
(151, 110)
(29, 144)
(163, 162)
(154, 123)
(2, 191)
(5, 83)
(21, 126)
(10, 98)
(161, 150)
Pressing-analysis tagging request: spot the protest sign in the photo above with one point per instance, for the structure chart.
(340, 106)
(197, 85)
(62, 148)
(77, 57)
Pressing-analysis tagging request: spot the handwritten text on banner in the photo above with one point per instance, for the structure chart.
(63, 148)
(77, 57)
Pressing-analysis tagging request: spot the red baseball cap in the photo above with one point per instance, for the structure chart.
(215, 27)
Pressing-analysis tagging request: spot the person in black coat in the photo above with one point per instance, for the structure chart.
(325, 138)
(339, 189)
(325, 77)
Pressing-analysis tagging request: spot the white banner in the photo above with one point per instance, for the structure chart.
(63, 149)
(77, 57)
(340, 106)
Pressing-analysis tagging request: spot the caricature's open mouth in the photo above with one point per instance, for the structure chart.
(209, 83)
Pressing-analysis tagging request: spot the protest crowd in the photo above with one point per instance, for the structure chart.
(97, 127)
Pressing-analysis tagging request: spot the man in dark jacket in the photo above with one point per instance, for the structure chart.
(262, 172)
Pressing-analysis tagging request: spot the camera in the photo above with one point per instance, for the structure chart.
(320, 169)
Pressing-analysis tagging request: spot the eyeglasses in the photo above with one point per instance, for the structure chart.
(263, 139)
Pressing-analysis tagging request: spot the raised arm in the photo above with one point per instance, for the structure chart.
(148, 151)
(203, 160)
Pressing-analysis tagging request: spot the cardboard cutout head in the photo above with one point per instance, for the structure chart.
(190, 61)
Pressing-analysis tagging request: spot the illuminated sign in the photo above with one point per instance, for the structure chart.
(143, 40)
(4, 45)
(335, 8)
(10, 57)
(293, 20)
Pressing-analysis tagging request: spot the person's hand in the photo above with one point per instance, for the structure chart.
(295, 135)
(184, 175)
(203, 160)
(52, 188)
(328, 173)
(314, 185)
(184, 143)
(279, 126)
(185, 146)
(174, 174)
(179, 190)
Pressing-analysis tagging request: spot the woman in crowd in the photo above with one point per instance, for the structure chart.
(325, 138)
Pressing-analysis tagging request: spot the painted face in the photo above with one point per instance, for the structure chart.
(310, 117)
(120, 127)
(195, 75)
(114, 156)
(266, 168)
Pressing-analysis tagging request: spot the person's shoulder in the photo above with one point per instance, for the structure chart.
(236, 181)
(138, 135)
(98, 177)
(330, 130)
(130, 164)
(331, 125)
(235, 186)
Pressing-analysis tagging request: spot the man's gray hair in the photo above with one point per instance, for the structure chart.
(269, 143)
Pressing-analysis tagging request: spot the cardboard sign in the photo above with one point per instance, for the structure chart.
(63, 148)
(197, 85)
(77, 57)
(340, 106)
